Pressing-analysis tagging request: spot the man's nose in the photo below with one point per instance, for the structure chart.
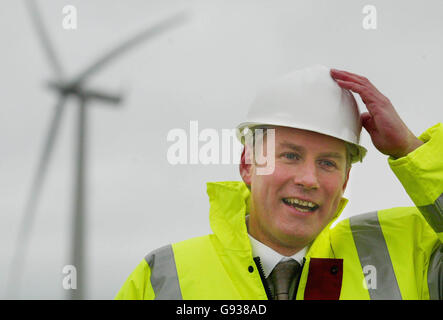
(306, 176)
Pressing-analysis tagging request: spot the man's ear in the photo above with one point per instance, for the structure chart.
(246, 165)
(347, 178)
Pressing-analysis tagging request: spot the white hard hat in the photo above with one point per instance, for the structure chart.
(308, 99)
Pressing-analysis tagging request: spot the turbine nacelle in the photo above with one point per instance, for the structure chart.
(67, 88)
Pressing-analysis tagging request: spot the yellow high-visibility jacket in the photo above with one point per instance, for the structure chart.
(388, 254)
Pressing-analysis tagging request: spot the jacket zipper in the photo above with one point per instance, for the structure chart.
(262, 277)
(299, 278)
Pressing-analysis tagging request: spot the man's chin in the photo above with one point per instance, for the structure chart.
(299, 235)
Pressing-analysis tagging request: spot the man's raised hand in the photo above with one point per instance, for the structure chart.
(388, 132)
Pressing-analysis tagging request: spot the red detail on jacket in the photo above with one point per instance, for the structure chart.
(324, 279)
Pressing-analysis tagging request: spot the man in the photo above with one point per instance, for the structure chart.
(272, 232)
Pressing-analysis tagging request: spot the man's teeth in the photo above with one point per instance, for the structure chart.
(301, 202)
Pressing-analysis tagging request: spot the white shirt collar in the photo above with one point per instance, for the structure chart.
(269, 258)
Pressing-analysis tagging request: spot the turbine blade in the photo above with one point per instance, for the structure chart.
(102, 96)
(27, 222)
(44, 38)
(151, 32)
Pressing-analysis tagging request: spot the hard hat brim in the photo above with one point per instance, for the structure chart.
(240, 134)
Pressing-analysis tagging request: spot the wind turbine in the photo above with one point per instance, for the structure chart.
(65, 88)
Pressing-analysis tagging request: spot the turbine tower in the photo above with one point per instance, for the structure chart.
(66, 88)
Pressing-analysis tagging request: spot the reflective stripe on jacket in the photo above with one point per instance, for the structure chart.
(388, 254)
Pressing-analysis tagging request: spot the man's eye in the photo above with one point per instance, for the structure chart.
(327, 163)
(290, 155)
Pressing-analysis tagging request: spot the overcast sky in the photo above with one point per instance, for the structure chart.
(207, 70)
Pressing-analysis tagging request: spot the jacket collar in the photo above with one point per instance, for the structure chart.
(230, 202)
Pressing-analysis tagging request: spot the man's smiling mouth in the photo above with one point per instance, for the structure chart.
(301, 205)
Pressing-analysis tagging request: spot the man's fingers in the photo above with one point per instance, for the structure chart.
(352, 77)
(366, 95)
(368, 122)
(358, 88)
(348, 76)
